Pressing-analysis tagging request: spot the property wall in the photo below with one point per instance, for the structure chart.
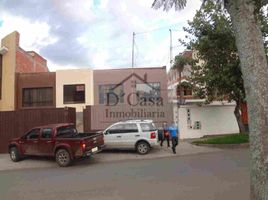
(214, 119)
(75, 76)
(99, 117)
(7, 102)
(16, 123)
(35, 80)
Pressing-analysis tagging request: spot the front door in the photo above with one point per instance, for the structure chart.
(29, 143)
(113, 136)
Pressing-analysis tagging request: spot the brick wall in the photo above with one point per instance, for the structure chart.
(30, 62)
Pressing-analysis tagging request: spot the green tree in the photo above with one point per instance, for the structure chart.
(246, 25)
(219, 76)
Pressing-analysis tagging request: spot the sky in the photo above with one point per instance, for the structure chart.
(96, 34)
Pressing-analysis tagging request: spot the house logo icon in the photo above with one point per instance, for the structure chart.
(133, 97)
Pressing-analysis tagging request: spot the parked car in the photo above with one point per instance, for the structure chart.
(140, 135)
(61, 141)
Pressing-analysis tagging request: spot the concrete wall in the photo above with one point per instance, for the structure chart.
(7, 102)
(30, 62)
(75, 76)
(214, 119)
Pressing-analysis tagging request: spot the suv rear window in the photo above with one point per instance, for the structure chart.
(146, 127)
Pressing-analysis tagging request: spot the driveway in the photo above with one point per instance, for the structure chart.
(184, 148)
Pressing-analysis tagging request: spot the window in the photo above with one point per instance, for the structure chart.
(1, 76)
(130, 128)
(74, 94)
(36, 97)
(123, 128)
(148, 89)
(187, 92)
(33, 134)
(111, 94)
(46, 133)
(118, 128)
(146, 127)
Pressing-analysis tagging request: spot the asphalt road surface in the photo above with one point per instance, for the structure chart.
(215, 176)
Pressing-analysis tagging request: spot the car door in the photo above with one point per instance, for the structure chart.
(113, 136)
(29, 143)
(45, 142)
(130, 135)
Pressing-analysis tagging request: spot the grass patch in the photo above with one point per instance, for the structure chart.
(228, 139)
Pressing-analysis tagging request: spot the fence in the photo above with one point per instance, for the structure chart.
(99, 117)
(16, 123)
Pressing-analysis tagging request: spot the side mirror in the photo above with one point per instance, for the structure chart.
(105, 132)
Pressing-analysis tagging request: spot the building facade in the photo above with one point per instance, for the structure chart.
(74, 88)
(14, 60)
(130, 93)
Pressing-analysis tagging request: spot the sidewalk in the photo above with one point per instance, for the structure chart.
(184, 148)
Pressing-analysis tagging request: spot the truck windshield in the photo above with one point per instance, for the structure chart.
(67, 131)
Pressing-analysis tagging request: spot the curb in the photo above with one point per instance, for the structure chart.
(225, 146)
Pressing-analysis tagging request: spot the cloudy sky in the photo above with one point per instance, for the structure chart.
(95, 33)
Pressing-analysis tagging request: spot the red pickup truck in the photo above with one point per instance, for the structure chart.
(61, 141)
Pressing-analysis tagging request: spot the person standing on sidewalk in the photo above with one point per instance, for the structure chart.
(174, 131)
(165, 135)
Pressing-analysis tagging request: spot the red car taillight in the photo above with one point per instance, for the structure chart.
(153, 135)
(83, 146)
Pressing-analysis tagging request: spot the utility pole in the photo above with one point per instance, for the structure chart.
(133, 42)
(170, 48)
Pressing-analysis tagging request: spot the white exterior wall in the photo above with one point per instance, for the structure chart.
(214, 119)
(75, 76)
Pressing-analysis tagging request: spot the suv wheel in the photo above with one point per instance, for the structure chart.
(143, 147)
(14, 154)
(63, 158)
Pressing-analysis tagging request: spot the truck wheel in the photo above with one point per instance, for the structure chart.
(63, 158)
(143, 148)
(14, 154)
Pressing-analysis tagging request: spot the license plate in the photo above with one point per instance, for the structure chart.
(94, 149)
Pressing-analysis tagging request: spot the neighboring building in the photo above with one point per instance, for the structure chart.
(130, 93)
(174, 81)
(195, 118)
(113, 94)
(36, 90)
(74, 88)
(13, 60)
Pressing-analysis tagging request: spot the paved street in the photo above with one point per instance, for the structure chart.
(216, 175)
(184, 148)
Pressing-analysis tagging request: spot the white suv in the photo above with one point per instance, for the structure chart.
(131, 134)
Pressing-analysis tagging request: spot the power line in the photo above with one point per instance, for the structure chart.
(160, 28)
